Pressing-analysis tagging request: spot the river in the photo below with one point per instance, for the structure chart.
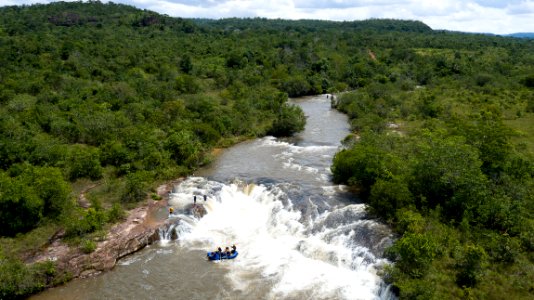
(298, 235)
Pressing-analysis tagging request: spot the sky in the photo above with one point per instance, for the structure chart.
(485, 16)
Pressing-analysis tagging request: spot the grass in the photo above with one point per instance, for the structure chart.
(29, 242)
(524, 128)
(449, 53)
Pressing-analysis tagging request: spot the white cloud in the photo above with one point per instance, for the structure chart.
(521, 8)
(21, 2)
(340, 4)
(471, 16)
(495, 16)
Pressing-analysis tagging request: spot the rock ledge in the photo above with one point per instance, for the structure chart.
(138, 230)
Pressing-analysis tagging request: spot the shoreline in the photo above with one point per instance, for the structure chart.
(139, 229)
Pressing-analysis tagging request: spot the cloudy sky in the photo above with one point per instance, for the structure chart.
(491, 16)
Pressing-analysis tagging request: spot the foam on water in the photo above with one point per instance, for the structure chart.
(317, 255)
(299, 236)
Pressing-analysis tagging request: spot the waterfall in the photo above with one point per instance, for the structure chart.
(299, 236)
(302, 251)
(168, 232)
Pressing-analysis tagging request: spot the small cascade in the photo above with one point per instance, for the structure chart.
(168, 232)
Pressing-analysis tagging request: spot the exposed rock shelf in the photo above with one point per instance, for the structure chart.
(139, 229)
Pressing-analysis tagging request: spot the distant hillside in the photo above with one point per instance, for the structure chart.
(526, 35)
(379, 25)
(39, 17)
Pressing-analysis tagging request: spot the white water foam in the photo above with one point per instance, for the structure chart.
(273, 142)
(275, 248)
(290, 157)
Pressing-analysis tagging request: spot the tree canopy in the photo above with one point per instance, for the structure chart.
(108, 99)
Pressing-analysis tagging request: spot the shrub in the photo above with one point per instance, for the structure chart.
(387, 196)
(88, 246)
(84, 162)
(414, 253)
(409, 221)
(470, 265)
(135, 187)
(290, 120)
(18, 280)
(185, 148)
(20, 208)
(116, 213)
(83, 222)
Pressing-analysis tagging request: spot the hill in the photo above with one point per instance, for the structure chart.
(527, 35)
(376, 25)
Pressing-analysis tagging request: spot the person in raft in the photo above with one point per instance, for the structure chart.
(227, 250)
(233, 249)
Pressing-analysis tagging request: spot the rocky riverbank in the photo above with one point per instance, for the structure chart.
(139, 229)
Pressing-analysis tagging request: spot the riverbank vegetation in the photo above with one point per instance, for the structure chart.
(100, 102)
(444, 154)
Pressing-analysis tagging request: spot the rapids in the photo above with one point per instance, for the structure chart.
(298, 235)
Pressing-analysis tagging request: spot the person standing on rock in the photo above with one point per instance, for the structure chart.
(205, 198)
(195, 199)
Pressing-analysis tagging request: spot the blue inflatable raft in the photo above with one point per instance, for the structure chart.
(217, 256)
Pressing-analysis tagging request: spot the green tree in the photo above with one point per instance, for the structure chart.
(447, 173)
(20, 207)
(290, 120)
(135, 187)
(372, 157)
(471, 265)
(185, 148)
(50, 186)
(388, 196)
(84, 162)
(186, 65)
(490, 136)
(414, 253)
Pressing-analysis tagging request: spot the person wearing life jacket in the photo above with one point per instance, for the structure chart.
(227, 250)
(213, 254)
(233, 249)
(171, 210)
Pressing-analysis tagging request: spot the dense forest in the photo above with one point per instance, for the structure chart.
(110, 100)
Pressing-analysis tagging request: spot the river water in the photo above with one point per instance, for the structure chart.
(298, 235)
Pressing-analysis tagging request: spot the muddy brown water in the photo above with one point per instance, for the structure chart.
(299, 236)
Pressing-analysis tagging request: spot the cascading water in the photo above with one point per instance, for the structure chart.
(298, 235)
(300, 253)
